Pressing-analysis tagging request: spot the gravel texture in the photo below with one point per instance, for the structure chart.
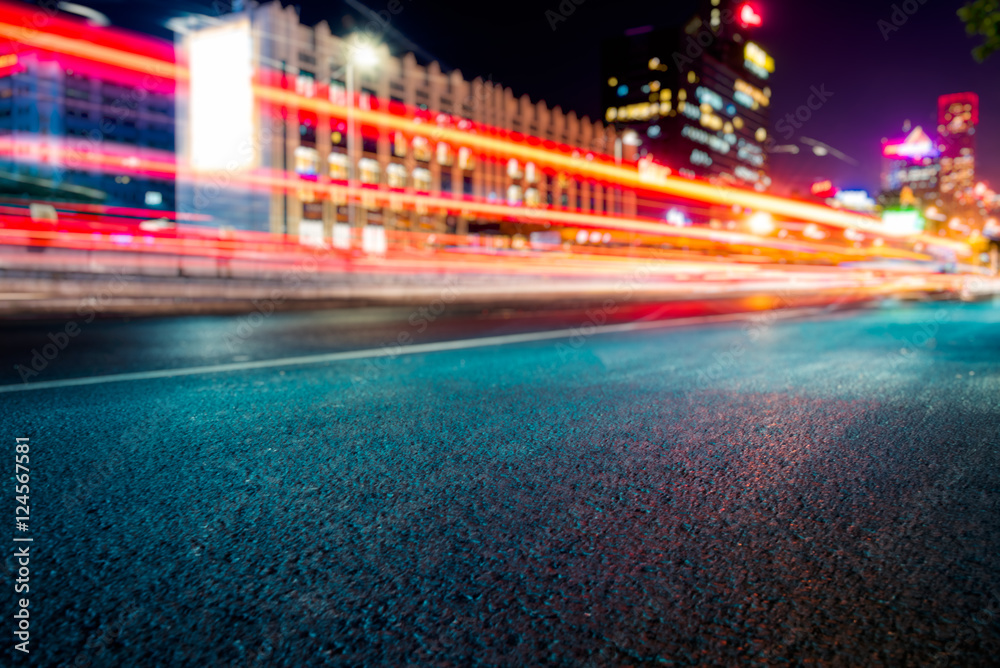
(775, 493)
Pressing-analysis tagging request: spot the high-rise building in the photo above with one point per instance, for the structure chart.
(695, 98)
(64, 120)
(958, 117)
(912, 163)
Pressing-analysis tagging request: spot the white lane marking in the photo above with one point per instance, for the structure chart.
(415, 349)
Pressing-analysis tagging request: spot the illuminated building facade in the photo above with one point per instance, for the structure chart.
(958, 116)
(697, 99)
(55, 111)
(911, 163)
(228, 130)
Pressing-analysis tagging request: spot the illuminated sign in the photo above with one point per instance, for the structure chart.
(958, 111)
(992, 228)
(745, 100)
(916, 146)
(823, 189)
(691, 111)
(710, 97)
(856, 200)
(640, 111)
(902, 222)
(221, 106)
(749, 17)
(700, 158)
(757, 60)
(702, 137)
(710, 120)
(751, 153)
(650, 172)
(678, 218)
(745, 91)
(746, 174)
(7, 64)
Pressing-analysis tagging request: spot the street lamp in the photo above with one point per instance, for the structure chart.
(761, 223)
(361, 54)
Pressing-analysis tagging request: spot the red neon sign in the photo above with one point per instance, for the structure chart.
(748, 16)
(823, 189)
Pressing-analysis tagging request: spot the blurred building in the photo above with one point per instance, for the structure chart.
(935, 177)
(911, 163)
(696, 98)
(958, 117)
(240, 146)
(62, 122)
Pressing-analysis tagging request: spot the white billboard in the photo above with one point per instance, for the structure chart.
(221, 97)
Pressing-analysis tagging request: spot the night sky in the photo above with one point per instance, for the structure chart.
(876, 83)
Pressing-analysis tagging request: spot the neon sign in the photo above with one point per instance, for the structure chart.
(902, 222)
(757, 60)
(749, 17)
(761, 97)
(650, 172)
(702, 137)
(823, 189)
(857, 200)
(916, 146)
(961, 106)
(709, 97)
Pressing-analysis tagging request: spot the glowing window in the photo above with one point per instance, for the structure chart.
(466, 160)
(368, 170)
(421, 149)
(530, 173)
(422, 179)
(531, 197)
(514, 195)
(444, 156)
(306, 161)
(395, 175)
(338, 166)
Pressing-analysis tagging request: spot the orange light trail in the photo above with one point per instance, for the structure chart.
(163, 165)
(597, 166)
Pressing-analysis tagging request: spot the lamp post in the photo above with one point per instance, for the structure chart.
(359, 54)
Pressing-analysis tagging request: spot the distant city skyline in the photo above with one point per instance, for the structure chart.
(879, 74)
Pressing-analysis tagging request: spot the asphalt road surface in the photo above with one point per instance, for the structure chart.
(819, 489)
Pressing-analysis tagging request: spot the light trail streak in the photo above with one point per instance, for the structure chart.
(127, 53)
(598, 167)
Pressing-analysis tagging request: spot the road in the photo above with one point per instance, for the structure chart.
(820, 487)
